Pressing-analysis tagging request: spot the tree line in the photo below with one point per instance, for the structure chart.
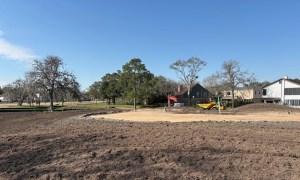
(133, 84)
(48, 81)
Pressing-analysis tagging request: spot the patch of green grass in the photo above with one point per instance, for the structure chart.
(24, 109)
(104, 105)
(78, 106)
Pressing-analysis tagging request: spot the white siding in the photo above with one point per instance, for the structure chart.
(292, 97)
(276, 90)
(289, 84)
(273, 90)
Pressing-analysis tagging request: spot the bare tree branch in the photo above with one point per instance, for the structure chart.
(187, 71)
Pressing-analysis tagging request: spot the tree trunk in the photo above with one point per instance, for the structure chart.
(114, 100)
(51, 95)
(232, 103)
(189, 95)
(134, 99)
(134, 104)
(20, 102)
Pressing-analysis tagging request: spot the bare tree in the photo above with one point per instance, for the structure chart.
(16, 91)
(31, 89)
(213, 84)
(50, 75)
(187, 71)
(8, 92)
(232, 76)
(1, 90)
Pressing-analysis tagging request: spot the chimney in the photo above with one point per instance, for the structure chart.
(179, 88)
(285, 77)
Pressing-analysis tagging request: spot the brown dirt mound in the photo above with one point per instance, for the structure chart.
(264, 107)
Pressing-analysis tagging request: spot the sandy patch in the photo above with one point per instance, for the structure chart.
(153, 116)
(8, 105)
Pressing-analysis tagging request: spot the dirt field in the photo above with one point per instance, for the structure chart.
(155, 116)
(253, 112)
(61, 145)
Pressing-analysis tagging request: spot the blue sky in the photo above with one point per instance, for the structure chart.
(96, 37)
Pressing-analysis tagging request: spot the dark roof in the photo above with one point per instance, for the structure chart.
(296, 81)
(184, 90)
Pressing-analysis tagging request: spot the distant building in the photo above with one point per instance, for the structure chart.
(251, 94)
(198, 94)
(284, 91)
(3, 99)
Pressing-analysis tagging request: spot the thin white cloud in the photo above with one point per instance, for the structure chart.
(14, 52)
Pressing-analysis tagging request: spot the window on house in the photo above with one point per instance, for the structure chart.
(228, 93)
(264, 92)
(205, 94)
(198, 94)
(254, 92)
(292, 91)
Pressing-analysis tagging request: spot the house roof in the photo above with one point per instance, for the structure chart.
(184, 90)
(296, 81)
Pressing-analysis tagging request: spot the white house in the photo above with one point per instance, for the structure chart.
(284, 91)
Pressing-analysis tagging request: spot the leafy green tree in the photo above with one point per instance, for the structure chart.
(160, 88)
(94, 91)
(262, 84)
(165, 86)
(187, 71)
(136, 81)
(110, 86)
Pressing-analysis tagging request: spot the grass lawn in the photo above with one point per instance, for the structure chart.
(58, 107)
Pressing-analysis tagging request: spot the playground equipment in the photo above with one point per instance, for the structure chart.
(173, 98)
(222, 107)
(207, 106)
(215, 104)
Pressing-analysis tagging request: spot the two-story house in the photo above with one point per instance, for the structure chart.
(284, 91)
(246, 94)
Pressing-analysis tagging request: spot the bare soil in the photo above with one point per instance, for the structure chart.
(63, 145)
(251, 112)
